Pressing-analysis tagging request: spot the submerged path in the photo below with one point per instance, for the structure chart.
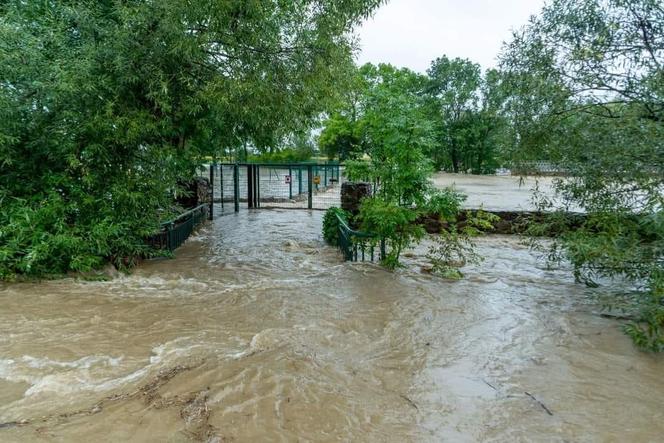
(258, 332)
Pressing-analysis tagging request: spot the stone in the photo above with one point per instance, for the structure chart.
(352, 194)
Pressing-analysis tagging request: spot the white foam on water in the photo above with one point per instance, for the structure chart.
(82, 363)
(96, 373)
(5, 367)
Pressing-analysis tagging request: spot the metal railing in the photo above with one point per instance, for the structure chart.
(175, 232)
(357, 245)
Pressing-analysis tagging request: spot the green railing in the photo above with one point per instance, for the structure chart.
(175, 232)
(357, 245)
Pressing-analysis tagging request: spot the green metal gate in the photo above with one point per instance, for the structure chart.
(275, 185)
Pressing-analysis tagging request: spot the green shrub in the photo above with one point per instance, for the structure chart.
(331, 224)
(49, 235)
(445, 203)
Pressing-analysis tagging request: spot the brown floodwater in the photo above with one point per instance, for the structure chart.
(256, 331)
(500, 192)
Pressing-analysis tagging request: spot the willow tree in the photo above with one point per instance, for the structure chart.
(587, 84)
(106, 105)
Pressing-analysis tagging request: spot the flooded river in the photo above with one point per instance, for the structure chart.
(258, 332)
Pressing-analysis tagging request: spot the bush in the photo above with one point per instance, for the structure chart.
(331, 224)
(445, 203)
(50, 237)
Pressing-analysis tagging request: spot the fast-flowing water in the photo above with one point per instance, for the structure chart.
(258, 332)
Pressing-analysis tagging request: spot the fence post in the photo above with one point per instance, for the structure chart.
(316, 174)
(310, 187)
(171, 233)
(221, 185)
(290, 182)
(257, 185)
(250, 186)
(325, 182)
(236, 187)
(299, 180)
(211, 215)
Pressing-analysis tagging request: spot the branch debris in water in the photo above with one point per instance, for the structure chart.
(548, 411)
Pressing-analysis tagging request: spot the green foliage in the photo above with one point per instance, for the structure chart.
(396, 135)
(393, 223)
(629, 246)
(331, 224)
(451, 250)
(298, 147)
(358, 170)
(396, 223)
(35, 239)
(647, 330)
(286, 155)
(445, 203)
(105, 106)
(454, 247)
(340, 138)
(453, 114)
(587, 94)
(464, 105)
(478, 222)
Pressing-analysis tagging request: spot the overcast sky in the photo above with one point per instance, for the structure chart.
(412, 33)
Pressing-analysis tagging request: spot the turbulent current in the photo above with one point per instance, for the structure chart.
(256, 331)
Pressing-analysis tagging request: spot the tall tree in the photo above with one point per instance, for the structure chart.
(465, 107)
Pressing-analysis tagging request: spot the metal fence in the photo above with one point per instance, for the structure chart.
(357, 245)
(175, 232)
(267, 185)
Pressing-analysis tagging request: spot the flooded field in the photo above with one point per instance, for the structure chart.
(256, 331)
(495, 192)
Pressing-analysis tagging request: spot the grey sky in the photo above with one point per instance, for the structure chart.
(412, 33)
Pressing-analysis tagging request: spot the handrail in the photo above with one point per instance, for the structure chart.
(174, 233)
(185, 214)
(349, 239)
(353, 231)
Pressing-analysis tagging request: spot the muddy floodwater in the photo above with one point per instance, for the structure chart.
(499, 193)
(258, 332)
